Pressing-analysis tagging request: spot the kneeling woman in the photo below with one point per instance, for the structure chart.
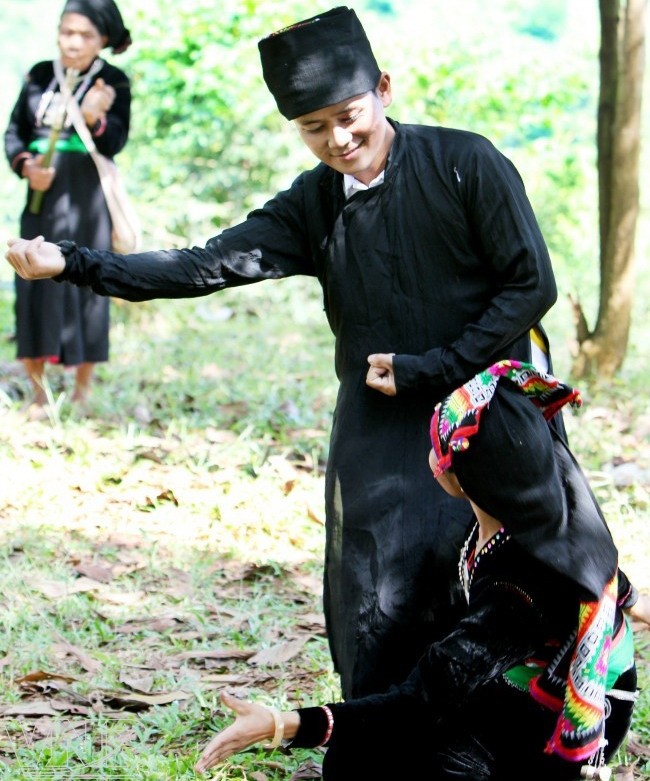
(537, 681)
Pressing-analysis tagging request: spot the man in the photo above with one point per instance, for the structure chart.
(432, 266)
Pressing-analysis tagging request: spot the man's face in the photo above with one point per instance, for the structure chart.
(353, 136)
(79, 41)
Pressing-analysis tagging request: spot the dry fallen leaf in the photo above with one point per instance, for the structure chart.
(150, 624)
(315, 515)
(288, 487)
(224, 678)
(121, 597)
(56, 589)
(313, 623)
(65, 706)
(135, 702)
(47, 730)
(184, 637)
(278, 654)
(85, 660)
(308, 583)
(221, 655)
(42, 675)
(254, 571)
(103, 573)
(634, 746)
(142, 683)
(30, 708)
(307, 770)
(124, 539)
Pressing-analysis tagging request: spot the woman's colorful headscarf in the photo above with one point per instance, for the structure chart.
(457, 417)
(493, 432)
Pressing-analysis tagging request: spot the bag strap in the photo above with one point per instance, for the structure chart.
(74, 112)
(102, 163)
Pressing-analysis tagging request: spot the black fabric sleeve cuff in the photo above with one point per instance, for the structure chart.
(67, 248)
(312, 730)
(19, 162)
(409, 375)
(627, 593)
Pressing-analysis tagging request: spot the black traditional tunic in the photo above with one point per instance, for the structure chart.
(62, 322)
(444, 265)
(458, 715)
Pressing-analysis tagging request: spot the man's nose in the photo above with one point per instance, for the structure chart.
(339, 137)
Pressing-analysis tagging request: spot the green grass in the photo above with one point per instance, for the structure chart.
(196, 484)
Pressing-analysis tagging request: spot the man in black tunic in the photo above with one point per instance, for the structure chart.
(432, 267)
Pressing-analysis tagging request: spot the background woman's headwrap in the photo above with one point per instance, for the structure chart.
(106, 17)
(493, 433)
(318, 62)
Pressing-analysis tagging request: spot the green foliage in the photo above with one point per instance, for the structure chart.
(206, 133)
(543, 121)
(208, 144)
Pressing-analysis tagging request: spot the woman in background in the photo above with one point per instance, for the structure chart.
(58, 322)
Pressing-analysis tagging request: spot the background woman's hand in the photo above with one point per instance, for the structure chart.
(253, 723)
(35, 259)
(39, 178)
(97, 101)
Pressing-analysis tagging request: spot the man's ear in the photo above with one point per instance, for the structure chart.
(384, 90)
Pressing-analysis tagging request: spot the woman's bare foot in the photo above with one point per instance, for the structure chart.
(36, 412)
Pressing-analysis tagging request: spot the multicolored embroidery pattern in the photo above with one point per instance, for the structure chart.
(581, 722)
(457, 418)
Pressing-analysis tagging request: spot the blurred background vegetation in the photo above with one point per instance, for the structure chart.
(207, 143)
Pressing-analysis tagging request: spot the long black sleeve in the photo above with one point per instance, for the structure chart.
(270, 244)
(504, 626)
(505, 233)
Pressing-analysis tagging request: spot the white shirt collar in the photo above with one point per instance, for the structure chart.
(352, 185)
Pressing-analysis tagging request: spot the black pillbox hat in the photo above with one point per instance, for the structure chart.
(318, 62)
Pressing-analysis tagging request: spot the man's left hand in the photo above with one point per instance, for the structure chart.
(380, 374)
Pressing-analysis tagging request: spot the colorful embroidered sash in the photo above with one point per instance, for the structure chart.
(579, 692)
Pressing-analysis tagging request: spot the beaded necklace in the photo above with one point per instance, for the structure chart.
(469, 559)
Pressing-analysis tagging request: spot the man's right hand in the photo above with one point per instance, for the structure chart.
(35, 259)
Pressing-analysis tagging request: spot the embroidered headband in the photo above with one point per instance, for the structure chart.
(457, 417)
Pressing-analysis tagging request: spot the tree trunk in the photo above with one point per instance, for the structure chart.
(602, 350)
